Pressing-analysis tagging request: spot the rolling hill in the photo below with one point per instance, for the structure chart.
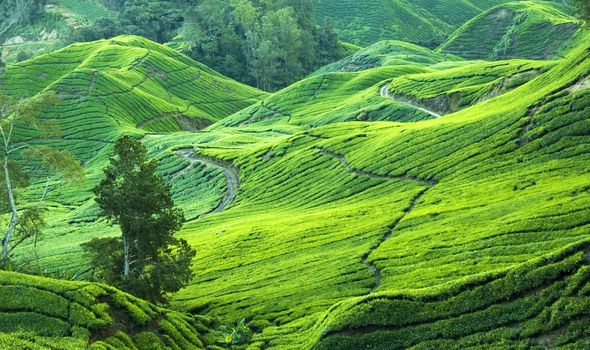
(399, 199)
(39, 313)
(527, 29)
(387, 53)
(423, 22)
(126, 85)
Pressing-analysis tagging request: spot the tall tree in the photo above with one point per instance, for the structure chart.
(22, 115)
(146, 260)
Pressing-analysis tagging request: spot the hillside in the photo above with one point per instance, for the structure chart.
(423, 22)
(126, 85)
(40, 313)
(401, 198)
(387, 53)
(356, 219)
(527, 29)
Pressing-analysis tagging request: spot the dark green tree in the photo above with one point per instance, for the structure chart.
(146, 260)
(154, 19)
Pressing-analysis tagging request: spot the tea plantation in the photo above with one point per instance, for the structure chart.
(401, 198)
(527, 29)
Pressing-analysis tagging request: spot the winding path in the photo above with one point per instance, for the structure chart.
(231, 175)
(428, 183)
(385, 93)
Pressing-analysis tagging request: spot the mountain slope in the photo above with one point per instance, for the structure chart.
(47, 314)
(348, 210)
(126, 85)
(467, 230)
(423, 22)
(387, 53)
(108, 80)
(527, 29)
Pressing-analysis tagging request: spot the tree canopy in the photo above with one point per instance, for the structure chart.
(146, 260)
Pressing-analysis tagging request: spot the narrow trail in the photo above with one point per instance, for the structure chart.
(231, 175)
(385, 93)
(429, 183)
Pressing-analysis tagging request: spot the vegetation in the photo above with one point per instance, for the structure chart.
(27, 223)
(583, 8)
(41, 314)
(147, 260)
(400, 198)
(266, 44)
(421, 22)
(525, 29)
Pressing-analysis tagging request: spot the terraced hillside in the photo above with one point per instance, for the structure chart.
(423, 22)
(40, 313)
(527, 29)
(127, 85)
(343, 213)
(387, 53)
(341, 234)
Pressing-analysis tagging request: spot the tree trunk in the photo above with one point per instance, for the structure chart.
(126, 254)
(14, 218)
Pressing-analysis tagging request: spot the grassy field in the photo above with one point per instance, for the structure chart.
(357, 220)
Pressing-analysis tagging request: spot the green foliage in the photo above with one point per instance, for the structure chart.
(135, 198)
(266, 44)
(154, 19)
(359, 220)
(238, 335)
(63, 315)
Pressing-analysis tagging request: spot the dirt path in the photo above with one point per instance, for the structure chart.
(385, 93)
(231, 175)
(428, 183)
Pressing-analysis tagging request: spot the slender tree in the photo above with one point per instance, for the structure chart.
(146, 260)
(18, 116)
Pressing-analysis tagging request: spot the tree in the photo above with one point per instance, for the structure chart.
(18, 116)
(583, 7)
(146, 260)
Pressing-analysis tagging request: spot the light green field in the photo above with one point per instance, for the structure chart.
(359, 220)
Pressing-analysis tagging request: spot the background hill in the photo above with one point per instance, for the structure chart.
(423, 22)
(528, 29)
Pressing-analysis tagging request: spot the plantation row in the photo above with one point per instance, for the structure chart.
(527, 29)
(331, 98)
(67, 315)
(300, 212)
(544, 303)
(450, 90)
(423, 22)
(387, 53)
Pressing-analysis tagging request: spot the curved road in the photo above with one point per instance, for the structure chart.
(385, 93)
(231, 175)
